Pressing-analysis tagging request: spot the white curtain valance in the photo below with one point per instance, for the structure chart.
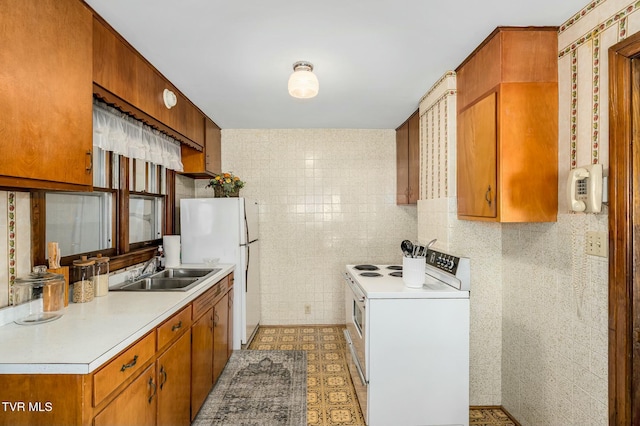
(117, 132)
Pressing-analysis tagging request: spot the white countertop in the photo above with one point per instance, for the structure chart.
(390, 287)
(89, 334)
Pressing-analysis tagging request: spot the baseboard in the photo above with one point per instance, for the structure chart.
(510, 416)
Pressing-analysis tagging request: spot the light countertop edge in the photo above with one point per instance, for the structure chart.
(90, 334)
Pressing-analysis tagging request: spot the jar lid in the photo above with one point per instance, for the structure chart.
(100, 259)
(39, 278)
(83, 261)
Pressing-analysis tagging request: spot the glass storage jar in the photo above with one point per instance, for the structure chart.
(101, 277)
(38, 297)
(83, 272)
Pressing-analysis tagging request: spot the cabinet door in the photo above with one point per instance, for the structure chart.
(204, 163)
(402, 164)
(413, 143)
(213, 145)
(173, 370)
(46, 87)
(476, 157)
(114, 64)
(220, 336)
(230, 324)
(201, 360)
(136, 405)
(408, 161)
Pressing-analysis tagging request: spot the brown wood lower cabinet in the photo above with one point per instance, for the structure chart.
(220, 341)
(210, 341)
(173, 372)
(161, 379)
(201, 360)
(136, 405)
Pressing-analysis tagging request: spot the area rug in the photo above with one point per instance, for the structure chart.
(259, 388)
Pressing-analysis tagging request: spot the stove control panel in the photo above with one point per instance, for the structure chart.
(443, 261)
(452, 269)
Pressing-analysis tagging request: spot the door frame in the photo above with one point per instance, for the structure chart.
(624, 252)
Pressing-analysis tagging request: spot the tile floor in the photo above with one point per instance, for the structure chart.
(331, 399)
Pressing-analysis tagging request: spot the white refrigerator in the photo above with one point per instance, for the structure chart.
(227, 228)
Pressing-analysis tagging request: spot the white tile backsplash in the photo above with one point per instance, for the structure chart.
(326, 199)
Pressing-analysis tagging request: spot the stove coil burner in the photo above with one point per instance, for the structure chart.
(370, 274)
(396, 274)
(366, 267)
(395, 267)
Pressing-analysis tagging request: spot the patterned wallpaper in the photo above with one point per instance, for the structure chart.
(539, 310)
(15, 240)
(438, 139)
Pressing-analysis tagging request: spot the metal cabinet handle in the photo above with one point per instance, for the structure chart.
(487, 195)
(155, 388)
(177, 326)
(131, 364)
(216, 318)
(90, 166)
(164, 376)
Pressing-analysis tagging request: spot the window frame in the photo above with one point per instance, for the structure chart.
(122, 254)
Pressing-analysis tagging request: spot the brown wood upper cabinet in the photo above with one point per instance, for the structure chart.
(200, 164)
(45, 81)
(121, 71)
(507, 127)
(408, 161)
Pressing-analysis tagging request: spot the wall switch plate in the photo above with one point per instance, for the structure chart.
(307, 309)
(597, 244)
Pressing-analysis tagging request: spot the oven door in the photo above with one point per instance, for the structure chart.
(355, 335)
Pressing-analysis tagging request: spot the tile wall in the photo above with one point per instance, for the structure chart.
(327, 199)
(539, 303)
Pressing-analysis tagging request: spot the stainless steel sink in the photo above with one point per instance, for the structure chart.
(184, 273)
(160, 284)
(178, 279)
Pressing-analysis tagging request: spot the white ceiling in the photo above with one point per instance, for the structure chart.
(374, 59)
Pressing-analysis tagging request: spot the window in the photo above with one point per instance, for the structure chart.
(87, 223)
(80, 222)
(145, 218)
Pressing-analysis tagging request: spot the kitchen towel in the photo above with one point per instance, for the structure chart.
(171, 245)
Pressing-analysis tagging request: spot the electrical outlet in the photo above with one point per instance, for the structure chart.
(597, 243)
(307, 309)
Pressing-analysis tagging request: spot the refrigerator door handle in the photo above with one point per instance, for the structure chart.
(246, 268)
(246, 230)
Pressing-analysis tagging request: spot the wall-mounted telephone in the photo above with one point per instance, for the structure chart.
(584, 189)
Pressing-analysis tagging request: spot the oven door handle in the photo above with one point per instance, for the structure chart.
(354, 289)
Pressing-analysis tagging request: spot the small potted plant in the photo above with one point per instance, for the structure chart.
(225, 185)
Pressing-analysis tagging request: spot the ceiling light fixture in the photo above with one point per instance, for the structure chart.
(303, 83)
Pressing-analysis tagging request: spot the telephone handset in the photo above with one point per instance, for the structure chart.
(584, 189)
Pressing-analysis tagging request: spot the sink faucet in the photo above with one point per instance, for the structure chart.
(149, 263)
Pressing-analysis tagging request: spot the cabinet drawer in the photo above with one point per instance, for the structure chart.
(173, 327)
(122, 367)
(208, 299)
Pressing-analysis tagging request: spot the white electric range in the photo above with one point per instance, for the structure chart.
(408, 348)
